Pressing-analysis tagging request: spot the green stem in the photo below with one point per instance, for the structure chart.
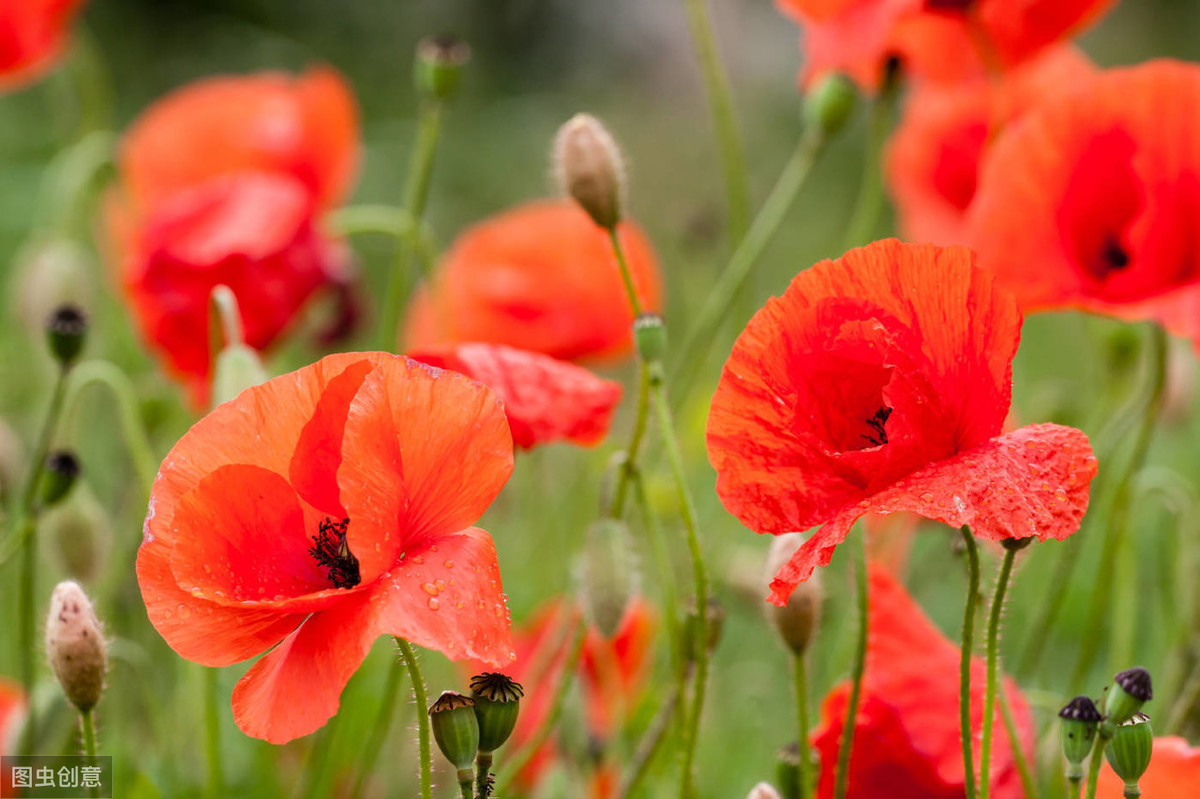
(630, 466)
(651, 744)
(1094, 767)
(1028, 783)
(1074, 785)
(416, 194)
(631, 294)
(968, 643)
(422, 700)
(483, 769)
(87, 723)
(842, 780)
(870, 191)
(465, 783)
(736, 274)
(666, 573)
(720, 101)
(993, 658)
(800, 681)
(379, 730)
(212, 732)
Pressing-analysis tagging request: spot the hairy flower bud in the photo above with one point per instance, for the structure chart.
(589, 169)
(798, 619)
(75, 645)
(438, 70)
(763, 791)
(1129, 751)
(607, 574)
(455, 728)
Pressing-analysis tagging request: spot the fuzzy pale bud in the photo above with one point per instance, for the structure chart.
(798, 619)
(589, 169)
(79, 533)
(75, 645)
(763, 791)
(607, 574)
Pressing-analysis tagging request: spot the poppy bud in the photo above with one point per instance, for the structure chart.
(238, 367)
(691, 628)
(79, 534)
(798, 619)
(439, 67)
(650, 333)
(608, 574)
(828, 106)
(497, 704)
(66, 330)
(1079, 720)
(62, 468)
(787, 771)
(455, 728)
(1129, 751)
(75, 645)
(1131, 689)
(589, 169)
(763, 791)
(48, 274)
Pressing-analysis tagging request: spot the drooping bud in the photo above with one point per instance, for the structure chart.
(455, 728)
(438, 70)
(1130, 690)
(650, 334)
(798, 619)
(75, 645)
(829, 104)
(66, 331)
(691, 628)
(590, 170)
(79, 534)
(1129, 751)
(497, 705)
(1016, 544)
(1079, 720)
(763, 791)
(607, 574)
(62, 469)
(236, 367)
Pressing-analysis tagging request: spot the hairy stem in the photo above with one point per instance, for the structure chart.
(993, 658)
(842, 780)
(422, 700)
(968, 643)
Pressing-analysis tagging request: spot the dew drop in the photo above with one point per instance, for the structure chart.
(433, 603)
(449, 564)
(430, 589)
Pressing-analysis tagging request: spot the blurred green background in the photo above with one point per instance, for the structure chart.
(535, 63)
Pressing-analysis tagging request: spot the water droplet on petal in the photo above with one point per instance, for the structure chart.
(433, 603)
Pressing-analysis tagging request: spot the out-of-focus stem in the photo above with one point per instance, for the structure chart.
(212, 734)
(842, 780)
(800, 681)
(383, 721)
(964, 680)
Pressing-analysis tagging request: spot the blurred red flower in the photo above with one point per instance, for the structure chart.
(939, 40)
(933, 158)
(1092, 201)
(879, 382)
(907, 739)
(545, 399)
(224, 181)
(12, 713)
(1174, 773)
(318, 511)
(32, 36)
(539, 277)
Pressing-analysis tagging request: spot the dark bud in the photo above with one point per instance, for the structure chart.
(66, 331)
(1016, 544)
(62, 469)
(497, 704)
(1079, 721)
(455, 728)
(439, 67)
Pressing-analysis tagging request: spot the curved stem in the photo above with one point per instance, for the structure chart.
(88, 726)
(666, 573)
(1028, 783)
(651, 744)
(720, 102)
(968, 642)
(842, 780)
(1094, 767)
(629, 468)
(108, 374)
(993, 657)
(422, 700)
(383, 722)
(631, 294)
(800, 681)
(212, 733)
(870, 191)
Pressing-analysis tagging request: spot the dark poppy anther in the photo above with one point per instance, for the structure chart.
(333, 553)
(878, 423)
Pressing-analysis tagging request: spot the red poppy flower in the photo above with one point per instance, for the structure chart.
(540, 277)
(545, 399)
(1092, 201)
(224, 182)
(1174, 773)
(318, 511)
(32, 36)
(933, 158)
(939, 40)
(879, 382)
(907, 738)
(12, 713)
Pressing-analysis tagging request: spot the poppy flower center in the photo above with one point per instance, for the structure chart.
(332, 552)
(949, 5)
(877, 424)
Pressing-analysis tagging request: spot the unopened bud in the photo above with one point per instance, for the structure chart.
(48, 274)
(589, 169)
(1130, 690)
(798, 619)
(650, 333)
(1079, 720)
(829, 104)
(1129, 751)
(763, 791)
(75, 645)
(439, 67)
(607, 574)
(79, 533)
(66, 331)
(62, 469)
(238, 367)
(497, 705)
(691, 630)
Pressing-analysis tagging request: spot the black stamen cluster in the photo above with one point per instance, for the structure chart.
(876, 423)
(333, 553)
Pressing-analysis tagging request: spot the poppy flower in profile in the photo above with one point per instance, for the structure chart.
(1092, 201)
(879, 382)
(224, 182)
(545, 399)
(932, 160)
(1174, 773)
(33, 34)
(318, 511)
(937, 40)
(539, 277)
(907, 738)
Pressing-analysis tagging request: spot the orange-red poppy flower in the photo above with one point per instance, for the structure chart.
(224, 182)
(879, 382)
(933, 159)
(939, 40)
(32, 36)
(1092, 201)
(318, 511)
(907, 738)
(540, 277)
(12, 713)
(545, 399)
(1174, 773)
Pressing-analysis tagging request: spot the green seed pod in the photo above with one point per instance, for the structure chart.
(66, 332)
(650, 333)
(1130, 690)
(62, 469)
(1129, 751)
(455, 728)
(497, 705)
(607, 574)
(1079, 721)
(828, 106)
(438, 70)
(798, 619)
(787, 771)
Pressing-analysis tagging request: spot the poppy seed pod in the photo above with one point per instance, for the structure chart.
(650, 334)
(787, 771)
(66, 331)
(1079, 720)
(589, 169)
(1130, 690)
(828, 106)
(62, 469)
(439, 66)
(1129, 751)
(798, 619)
(497, 705)
(75, 645)
(607, 574)
(455, 728)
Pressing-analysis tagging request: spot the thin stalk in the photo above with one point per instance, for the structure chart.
(800, 681)
(212, 733)
(483, 770)
(88, 726)
(651, 744)
(1028, 783)
(635, 302)
(968, 643)
(870, 190)
(1094, 767)
(465, 784)
(842, 780)
(666, 573)
(383, 722)
(720, 103)
(422, 700)
(993, 658)
(630, 467)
